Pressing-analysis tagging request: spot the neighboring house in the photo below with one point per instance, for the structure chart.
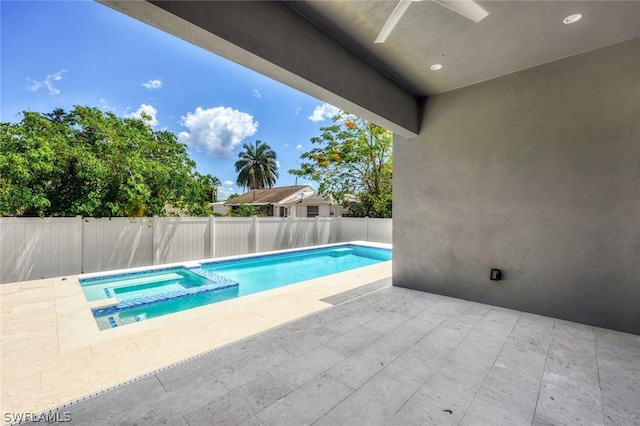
(311, 205)
(219, 207)
(293, 201)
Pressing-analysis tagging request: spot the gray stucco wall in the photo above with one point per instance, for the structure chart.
(536, 173)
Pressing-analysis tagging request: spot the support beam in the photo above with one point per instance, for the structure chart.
(272, 39)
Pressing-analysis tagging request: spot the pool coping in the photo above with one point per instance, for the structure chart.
(53, 352)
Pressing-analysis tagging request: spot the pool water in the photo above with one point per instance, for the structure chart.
(271, 272)
(143, 295)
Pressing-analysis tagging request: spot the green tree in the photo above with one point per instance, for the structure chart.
(247, 210)
(215, 183)
(352, 161)
(199, 193)
(92, 163)
(257, 167)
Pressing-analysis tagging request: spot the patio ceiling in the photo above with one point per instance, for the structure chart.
(326, 48)
(514, 36)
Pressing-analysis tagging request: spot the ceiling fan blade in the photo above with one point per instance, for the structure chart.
(467, 8)
(393, 20)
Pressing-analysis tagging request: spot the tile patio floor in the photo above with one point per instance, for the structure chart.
(399, 357)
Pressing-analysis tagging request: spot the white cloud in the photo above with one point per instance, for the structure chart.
(298, 146)
(223, 193)
(104, 105)
(256, 93)
(285, 145)
(298, 109)
(217, 130)
(277, 164)
(153, 84)
(323, 112)
(149, 113)
(47, 82)
(227, 182)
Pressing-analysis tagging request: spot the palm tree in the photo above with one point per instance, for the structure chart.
(215, 183)
(257, 166)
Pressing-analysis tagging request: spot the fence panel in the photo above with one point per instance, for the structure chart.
(328, 229)
(116, 243)
(233, 236)
(273, 233)
(302, 232)
(32, 248)
(380, 231)
(353, 229)
(178, 239)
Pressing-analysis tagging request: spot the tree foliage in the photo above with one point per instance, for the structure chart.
(92, 163)
(247, 210)
(352, 161)
(257, 167)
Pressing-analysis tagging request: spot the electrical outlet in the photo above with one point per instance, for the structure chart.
(496, 275)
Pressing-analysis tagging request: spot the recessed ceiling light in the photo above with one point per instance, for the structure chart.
(436, 67)
(572, 18)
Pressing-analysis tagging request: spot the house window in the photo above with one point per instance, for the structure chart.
(283, 212)
(312, 211)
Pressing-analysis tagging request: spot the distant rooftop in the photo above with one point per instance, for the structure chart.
(267, 196)
(312, 200)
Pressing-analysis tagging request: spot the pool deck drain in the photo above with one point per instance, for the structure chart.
(52, 351)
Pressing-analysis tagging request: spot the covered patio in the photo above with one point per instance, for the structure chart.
(515, 133)
(520, 153)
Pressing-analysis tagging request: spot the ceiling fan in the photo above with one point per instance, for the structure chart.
(467, 8)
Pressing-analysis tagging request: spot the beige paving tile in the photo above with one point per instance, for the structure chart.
(30, 321)
(73, 360)
(69, 376)
(57, 388)
(69, 287)
(117, 371)
(116, 346)
(4, 320)
(19, 360)
(19, 390)
(31, 307)
(25, 296)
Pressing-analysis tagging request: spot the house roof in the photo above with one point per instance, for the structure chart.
(307, 200)
(267, 196)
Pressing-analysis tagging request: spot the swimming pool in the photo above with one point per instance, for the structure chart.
(132, 297)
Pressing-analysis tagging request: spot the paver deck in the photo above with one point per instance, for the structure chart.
(52, 351)
(393, 356)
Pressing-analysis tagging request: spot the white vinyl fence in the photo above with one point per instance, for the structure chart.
(33, 248)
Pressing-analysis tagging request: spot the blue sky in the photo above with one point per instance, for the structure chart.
(57, 54)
